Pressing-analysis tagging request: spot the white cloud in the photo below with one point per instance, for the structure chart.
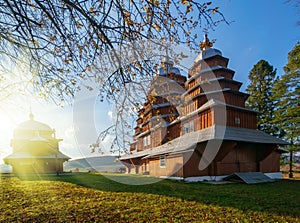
(69, 133)
(110, 114)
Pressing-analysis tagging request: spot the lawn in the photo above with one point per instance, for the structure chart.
(92, 197)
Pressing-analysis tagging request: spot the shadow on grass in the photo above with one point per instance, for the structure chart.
(280, 197)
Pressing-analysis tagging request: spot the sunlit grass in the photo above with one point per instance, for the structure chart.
(62, 199)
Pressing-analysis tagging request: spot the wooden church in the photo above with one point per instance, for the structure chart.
(35, 149)
(198, 128)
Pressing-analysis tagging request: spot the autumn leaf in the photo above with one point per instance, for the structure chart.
(215, 10)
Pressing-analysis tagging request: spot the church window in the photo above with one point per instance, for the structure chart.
(237, 121)
(147, 140)
(191, 126)
(162, 161)
(188, 127)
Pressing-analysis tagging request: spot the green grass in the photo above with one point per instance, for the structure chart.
(95, 198)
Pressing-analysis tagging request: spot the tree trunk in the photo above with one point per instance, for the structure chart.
(291, 165)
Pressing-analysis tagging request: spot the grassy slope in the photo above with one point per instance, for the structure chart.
(61, 199)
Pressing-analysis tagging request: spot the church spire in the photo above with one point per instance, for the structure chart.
(166, 62)
(31, 116)
(206, 43)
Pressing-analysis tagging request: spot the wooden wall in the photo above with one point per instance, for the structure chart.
(226, 97)
(232, 157)
(247, 119)
(196, 87)
(270, 163)
(173, 166)
(238, 160)
(134, 165)
(234, 117)
(173, 132)
(23, 166)
(176, 77)
(210, 62)
(250, 157)
(191, 165)
(156, 137)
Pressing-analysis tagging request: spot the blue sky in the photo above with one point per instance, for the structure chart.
(259, 29)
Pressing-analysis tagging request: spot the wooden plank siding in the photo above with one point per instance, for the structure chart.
(157, 137)
(173, 166)
(164, 110)
(227, 97)
(206, 119)
(139, 144)
(201, 120)
(210, 62)
(176, 77)
(173, 132)
(270, 163)
(241, 118)
(192, 160)
(146, 127)
(240, 159)
(132, 146)
(189, 107)
(212, 86)
(153, 100)
(249, 157)
(235, 98)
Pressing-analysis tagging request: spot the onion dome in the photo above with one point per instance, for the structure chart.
(207, 49)
(167, 67)
(31, 128)
(31, 124)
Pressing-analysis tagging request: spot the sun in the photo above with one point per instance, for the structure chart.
(6, 131)
(17, 99)
(13, 111)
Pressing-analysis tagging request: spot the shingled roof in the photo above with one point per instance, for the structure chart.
(189, 141)
(28, 155)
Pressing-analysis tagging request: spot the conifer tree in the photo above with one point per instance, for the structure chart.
(287, 97)
(262, 78)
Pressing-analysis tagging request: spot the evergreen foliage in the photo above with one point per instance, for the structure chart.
(287, 99)
(262, 78)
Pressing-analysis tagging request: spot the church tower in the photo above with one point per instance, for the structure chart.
(157, 112)
(211, 133)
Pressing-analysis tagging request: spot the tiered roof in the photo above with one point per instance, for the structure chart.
(212, 108)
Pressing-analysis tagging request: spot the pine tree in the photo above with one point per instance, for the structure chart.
(262, 78)
(287, 97)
